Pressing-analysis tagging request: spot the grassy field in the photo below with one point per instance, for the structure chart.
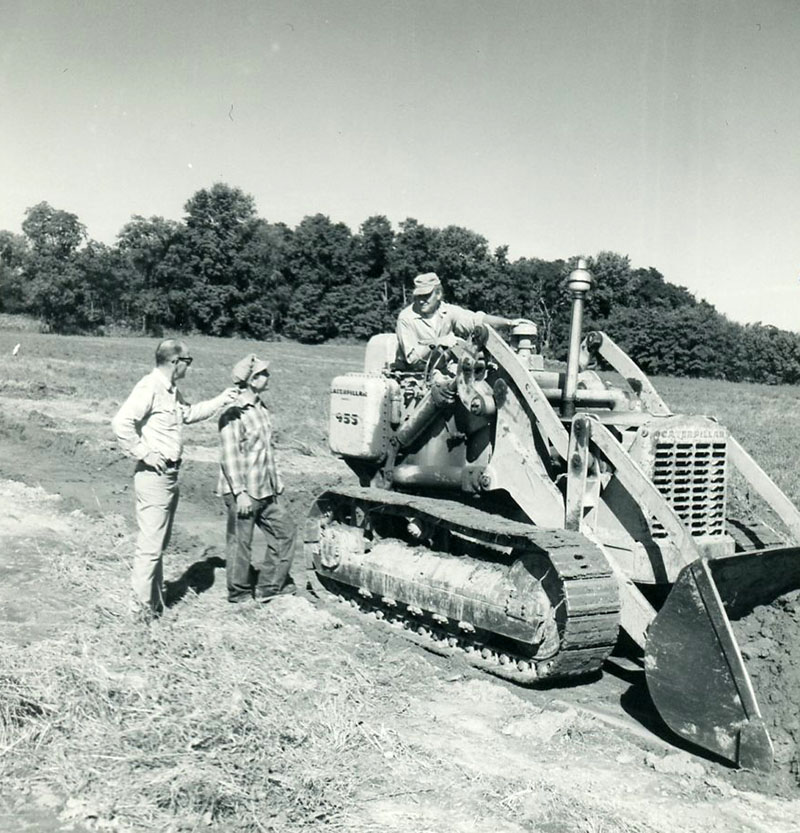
(290, 718)
(765, 418)
(102, 371)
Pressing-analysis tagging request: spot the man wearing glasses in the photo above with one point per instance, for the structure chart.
(250, 485)
(149, 428)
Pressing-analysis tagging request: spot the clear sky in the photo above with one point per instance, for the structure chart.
(668, 131)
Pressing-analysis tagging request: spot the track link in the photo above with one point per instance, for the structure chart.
(587, 613)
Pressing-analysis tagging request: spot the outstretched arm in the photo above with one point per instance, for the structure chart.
(206, 408)
(498, 322)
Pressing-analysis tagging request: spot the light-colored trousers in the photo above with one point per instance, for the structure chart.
(156, 502)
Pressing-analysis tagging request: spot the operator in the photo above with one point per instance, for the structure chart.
(429, 322)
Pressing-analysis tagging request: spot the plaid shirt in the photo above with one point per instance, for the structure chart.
(247, 459)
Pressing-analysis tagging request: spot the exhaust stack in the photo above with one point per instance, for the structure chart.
(579, 283)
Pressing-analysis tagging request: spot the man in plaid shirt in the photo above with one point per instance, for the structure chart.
(250, 485)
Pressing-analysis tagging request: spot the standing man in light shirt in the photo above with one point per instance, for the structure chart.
(250, 486)
(149, 428)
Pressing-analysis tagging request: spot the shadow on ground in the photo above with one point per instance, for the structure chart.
(198, 577)
(637, 703)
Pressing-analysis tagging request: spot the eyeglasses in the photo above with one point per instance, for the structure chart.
(187, 360)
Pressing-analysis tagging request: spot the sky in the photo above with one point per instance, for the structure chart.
(666, 131)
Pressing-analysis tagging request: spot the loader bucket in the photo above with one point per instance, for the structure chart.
(695, 672)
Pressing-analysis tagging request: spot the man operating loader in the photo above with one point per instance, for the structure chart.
(430, 322)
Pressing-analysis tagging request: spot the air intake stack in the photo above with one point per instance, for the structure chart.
(579, 283)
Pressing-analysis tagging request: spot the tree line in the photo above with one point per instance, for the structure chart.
(225, 271)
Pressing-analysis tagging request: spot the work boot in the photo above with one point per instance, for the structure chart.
(288, 589)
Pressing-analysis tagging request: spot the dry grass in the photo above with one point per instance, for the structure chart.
(212, 716)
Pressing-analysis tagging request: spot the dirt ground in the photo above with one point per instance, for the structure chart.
(770, 644)
(488, 755)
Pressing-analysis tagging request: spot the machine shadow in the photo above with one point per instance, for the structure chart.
(637, 703)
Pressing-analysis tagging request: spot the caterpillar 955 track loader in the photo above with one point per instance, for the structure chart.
(523, 516)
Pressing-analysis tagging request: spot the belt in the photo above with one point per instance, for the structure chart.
(170, 465)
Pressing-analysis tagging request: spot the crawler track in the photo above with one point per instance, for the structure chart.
(586, 607)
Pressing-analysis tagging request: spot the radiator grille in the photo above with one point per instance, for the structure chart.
(691, 475)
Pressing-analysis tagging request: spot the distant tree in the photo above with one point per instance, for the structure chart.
(685, 341)
(53, 232)
(499, 295)
(13, 255)
(264, 301)
(771, 355)
(320, 267)
(612, 284)
(537, 288)
(472, 275)
(208, 266)
(54, 285)
(142, 245)
(99, 267)
(647, 288)
(416, 250)
(377, 283)
(465, 265)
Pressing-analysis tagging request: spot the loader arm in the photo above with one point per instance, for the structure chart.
(546, 417)
(603, 345)
(719, 708)
(627, 472)
(765, 487)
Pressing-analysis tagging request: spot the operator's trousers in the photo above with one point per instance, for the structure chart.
(156, 502)
(267, 575)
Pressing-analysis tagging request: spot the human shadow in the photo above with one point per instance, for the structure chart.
(197, 577)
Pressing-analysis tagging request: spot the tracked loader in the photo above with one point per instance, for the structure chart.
(523, 516)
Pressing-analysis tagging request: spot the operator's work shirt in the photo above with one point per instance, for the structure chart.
(417, 334)
(247, 457)
(152, 418)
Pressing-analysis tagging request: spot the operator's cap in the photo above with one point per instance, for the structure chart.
(245, 369)
(426, 283)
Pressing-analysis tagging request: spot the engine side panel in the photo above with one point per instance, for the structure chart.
(360, 413)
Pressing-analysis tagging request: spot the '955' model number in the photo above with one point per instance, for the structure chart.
(346, 419)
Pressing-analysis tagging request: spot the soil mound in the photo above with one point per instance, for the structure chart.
(769, 638)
